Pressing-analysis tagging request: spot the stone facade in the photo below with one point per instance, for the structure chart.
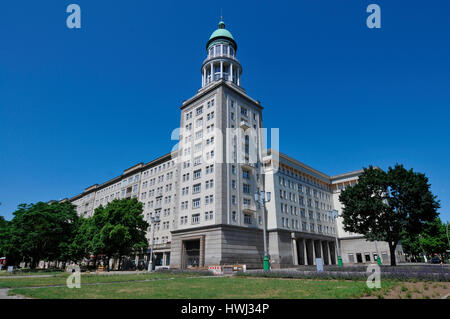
(203, 192)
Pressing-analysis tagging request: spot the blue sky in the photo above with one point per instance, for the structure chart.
(76, 105)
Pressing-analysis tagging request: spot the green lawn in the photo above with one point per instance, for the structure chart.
(60, 279)
(198, 288)
(4, 273)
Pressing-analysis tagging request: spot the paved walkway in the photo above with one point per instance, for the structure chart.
(4, 295)
(24, 276)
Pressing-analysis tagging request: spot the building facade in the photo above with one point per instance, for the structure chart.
(202, 193)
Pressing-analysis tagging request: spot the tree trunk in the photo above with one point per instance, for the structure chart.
(392, 246)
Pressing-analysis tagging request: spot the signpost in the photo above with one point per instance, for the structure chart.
(319, 264)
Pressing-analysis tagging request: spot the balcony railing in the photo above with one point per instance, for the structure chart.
(248, 208)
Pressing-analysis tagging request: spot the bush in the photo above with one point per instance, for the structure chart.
(189, 272)
(358, 273)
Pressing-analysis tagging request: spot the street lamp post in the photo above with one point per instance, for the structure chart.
(262, 198)
(378, 254)
(153, 220)
(334, 214)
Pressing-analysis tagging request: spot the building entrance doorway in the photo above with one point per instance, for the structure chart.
(191, 253)
(359, 258)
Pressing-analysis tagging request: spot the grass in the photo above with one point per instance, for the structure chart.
(60, 279)
(215, 288)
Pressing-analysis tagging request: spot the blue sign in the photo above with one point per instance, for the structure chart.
(149, 251)
(319, 263)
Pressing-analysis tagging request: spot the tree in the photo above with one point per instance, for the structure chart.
(433, 239)
(82, 245)
(383, 205)
(42, 231)
(119, 228)
(3, 236)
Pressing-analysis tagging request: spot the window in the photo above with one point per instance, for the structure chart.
(198, 147)
(198, 134)
(351, 258)
(233, 216)
(209, 215)
(199, 110)
(246, 188)
(196, 189)
(196, 203)
(209, 184)
(209, 199)
(195, 219)
(197, 174)
(197, 160)
(209, 169)
(247, 219)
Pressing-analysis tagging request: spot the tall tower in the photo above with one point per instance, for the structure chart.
(221, 62)
(217, 220)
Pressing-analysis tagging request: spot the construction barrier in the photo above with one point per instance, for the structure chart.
(226, 269)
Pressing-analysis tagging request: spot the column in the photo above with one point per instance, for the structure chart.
(204, 76)
(306, 252)
(212, 72)
(231, 72)
(164, 259)
(238, 77)
(221, 69)
(329, 253)
(313, 251)
(294, 251)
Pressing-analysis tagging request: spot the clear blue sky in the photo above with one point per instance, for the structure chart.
(77, 107)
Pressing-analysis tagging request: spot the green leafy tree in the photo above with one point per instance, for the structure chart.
(42, 231)
(434, 237)
(119, 229)
(432, 240)
(383, 205)
(81, 246)
(3, 236)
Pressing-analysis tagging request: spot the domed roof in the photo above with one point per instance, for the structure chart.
(221, 33)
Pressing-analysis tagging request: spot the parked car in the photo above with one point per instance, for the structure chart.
(435, 260)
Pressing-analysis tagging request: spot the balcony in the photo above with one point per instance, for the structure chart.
(244, 124)
(246, 164)
(249, 208)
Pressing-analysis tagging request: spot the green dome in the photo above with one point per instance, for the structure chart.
(221, 33)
